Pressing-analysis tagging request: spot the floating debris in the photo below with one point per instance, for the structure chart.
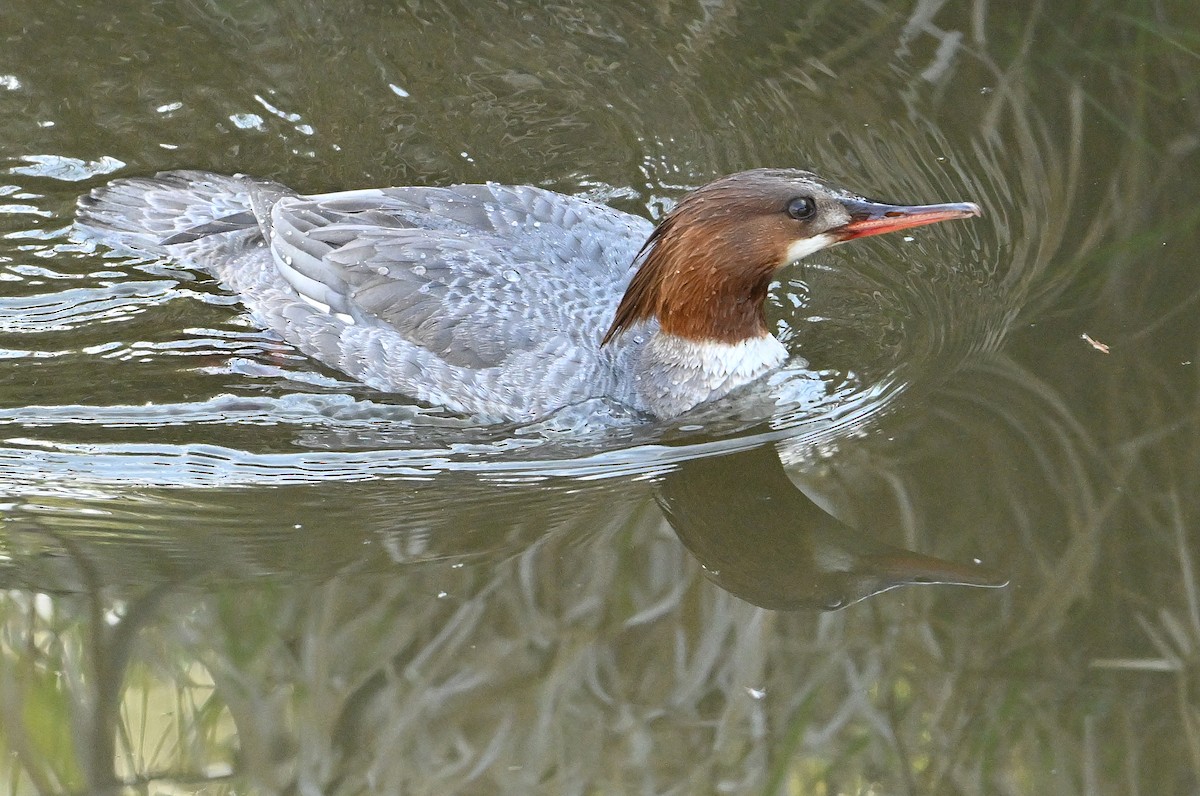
(1096, 344)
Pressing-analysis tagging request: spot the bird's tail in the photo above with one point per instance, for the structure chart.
(144, 215)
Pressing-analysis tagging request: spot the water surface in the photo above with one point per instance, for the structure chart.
(225, 569)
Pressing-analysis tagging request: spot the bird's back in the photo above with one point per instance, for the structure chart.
(487, 299)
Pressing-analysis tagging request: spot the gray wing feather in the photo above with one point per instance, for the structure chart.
(139, 213)
(474, 274)
(483, 298)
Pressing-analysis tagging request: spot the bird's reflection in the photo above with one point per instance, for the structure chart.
(762, 539)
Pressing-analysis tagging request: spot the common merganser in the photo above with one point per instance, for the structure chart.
(506, 302)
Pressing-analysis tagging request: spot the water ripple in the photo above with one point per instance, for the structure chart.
(68, 309)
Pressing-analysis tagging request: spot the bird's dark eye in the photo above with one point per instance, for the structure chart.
(802, 208)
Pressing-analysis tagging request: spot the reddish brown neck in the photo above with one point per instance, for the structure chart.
(701, 283)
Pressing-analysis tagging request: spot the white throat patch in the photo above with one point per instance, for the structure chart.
(674, 374)
(799, 249)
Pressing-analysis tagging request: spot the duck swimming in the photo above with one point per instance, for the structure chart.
(505, 302)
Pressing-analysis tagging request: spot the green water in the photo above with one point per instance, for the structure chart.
(226, 570)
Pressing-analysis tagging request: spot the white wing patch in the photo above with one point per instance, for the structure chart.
(325, 308)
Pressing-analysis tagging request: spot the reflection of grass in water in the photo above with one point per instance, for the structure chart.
(1146, 411)
(36, 707)
(1130, 487)
(598, 661)
(1094, 466)
(76, 719)
(1155, 663)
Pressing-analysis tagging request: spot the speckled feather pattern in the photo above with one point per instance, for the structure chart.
(674, 374)
(489, 300)
(486, 299)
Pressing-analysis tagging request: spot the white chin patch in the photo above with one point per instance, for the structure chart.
(799, 249)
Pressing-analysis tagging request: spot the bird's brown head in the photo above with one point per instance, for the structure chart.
(706, 268)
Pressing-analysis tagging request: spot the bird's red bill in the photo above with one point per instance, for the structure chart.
(872, 218)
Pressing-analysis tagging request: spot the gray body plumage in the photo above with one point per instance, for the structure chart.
(489, 300)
